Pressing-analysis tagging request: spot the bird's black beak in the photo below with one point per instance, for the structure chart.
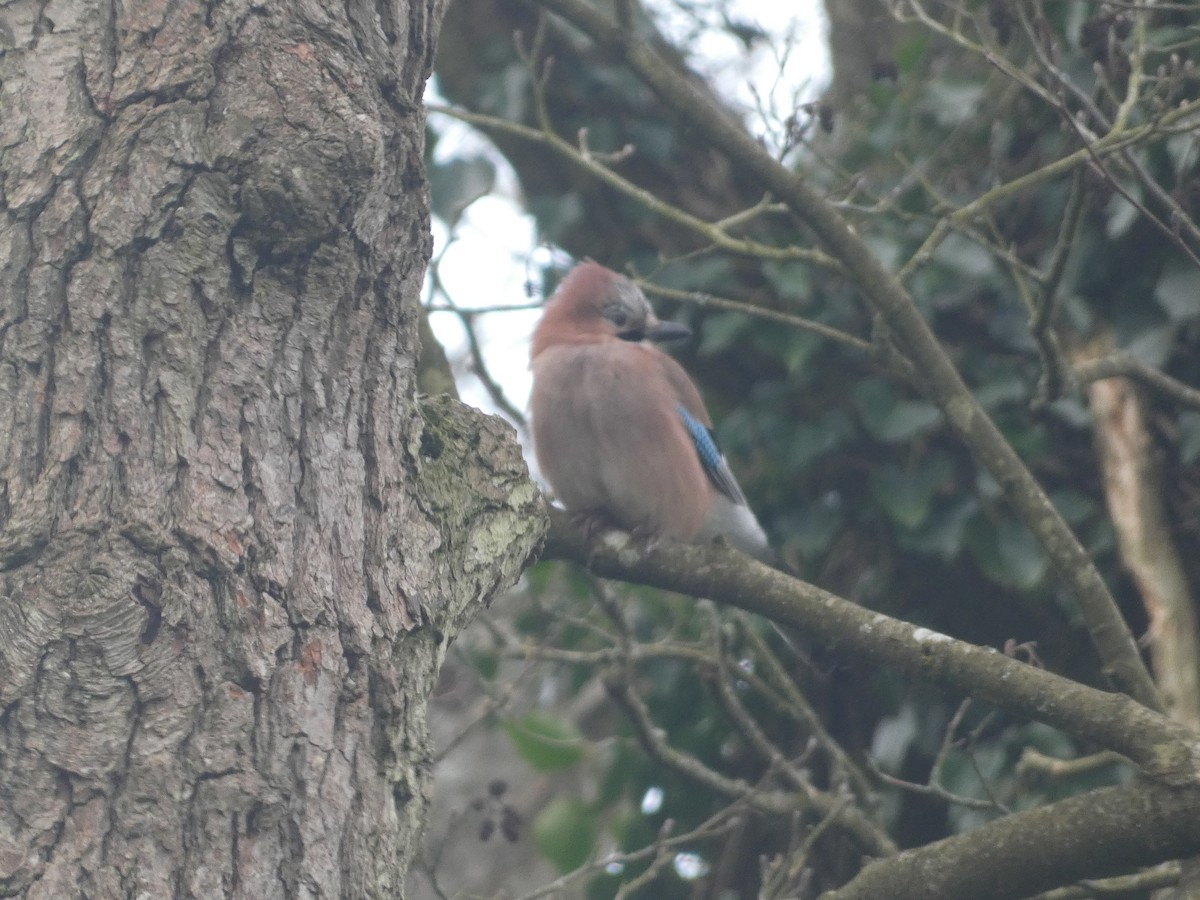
(665, 331)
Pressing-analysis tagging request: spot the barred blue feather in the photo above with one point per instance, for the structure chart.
(714, 463)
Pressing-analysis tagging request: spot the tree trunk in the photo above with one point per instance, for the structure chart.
(862, 40)
(233, 547)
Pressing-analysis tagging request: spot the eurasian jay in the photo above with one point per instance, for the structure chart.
(619, 429)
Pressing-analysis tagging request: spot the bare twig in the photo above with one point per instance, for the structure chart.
(747, 727)
(712, 232)
(759, 312)
(654, 742)
(1183, 116)
(715, 826)
(1033, 760)
(933, 787)
(1120, 887)
(845, 769)
(1180, 219)
(1121, 364)
(784, 876)
(478, 363)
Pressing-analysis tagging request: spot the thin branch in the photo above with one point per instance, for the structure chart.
(784, 877)
(1047, 307)
(638, 653)
(763, 207)
(1055, 369)
(478, 363)
(496, 699)
(711, 300)
(1182, 116)
(483, 310)
(587, 161)
(988, 52)
(1122, 364)
(1034, 761)
(1164, 749)
(844, 767)
(725, 819)
(775, 802)
(1123, 886)
(747, 727)
(1175, 211)
(933, 787)
(1178, 215)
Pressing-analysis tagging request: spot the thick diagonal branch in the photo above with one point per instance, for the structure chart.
(1164, 749)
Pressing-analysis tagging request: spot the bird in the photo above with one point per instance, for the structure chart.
(620, 431)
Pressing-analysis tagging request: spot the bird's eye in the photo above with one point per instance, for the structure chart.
(618, 318)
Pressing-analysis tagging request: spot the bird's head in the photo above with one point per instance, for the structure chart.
(595, 304)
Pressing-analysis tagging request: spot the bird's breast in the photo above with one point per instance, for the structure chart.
(609, 440)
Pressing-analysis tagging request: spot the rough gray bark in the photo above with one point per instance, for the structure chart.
(233, 547)
(862, 39)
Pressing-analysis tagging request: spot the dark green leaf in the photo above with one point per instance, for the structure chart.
(944, 532)
(811, 440)
(565, 832)
(720, 330)
(1000, 390)
(905, 493)
(801, 347)
(1178, 292)
(1007, 553)
(486, 662)
(814, 526)
(889, 419)
(1074, 506)
(1153, 345)
(1121, 214)
(912, 51)
(965, 257)
(790, 279)
(545, 741)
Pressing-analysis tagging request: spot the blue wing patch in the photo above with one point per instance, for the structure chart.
(711, 459)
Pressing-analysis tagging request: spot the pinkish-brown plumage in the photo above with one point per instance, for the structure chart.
(608, 429)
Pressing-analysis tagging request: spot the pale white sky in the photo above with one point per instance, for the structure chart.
(495, 246)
